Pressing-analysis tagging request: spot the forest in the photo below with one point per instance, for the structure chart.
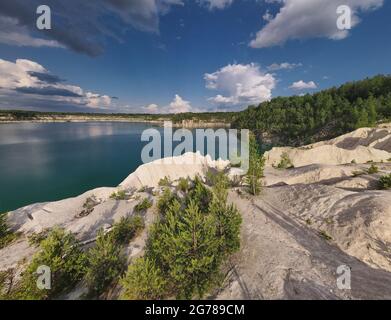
(294, 120)
(304, 119)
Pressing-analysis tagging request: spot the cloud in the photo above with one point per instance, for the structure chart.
(13, 34)
(27, 84)
(151, 108)
(283, 66)
(304, 19)
(78, 25)
(216, 4)
(240, 85)
(48, 91)
(46, 77)
(301, 85)
(178, 105)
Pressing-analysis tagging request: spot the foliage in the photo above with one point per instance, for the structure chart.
(285, 162)
(61, 252)
(166, 200)
(126, 229)
(105, 263)
(183, 185)
(214, 177)
(373, 169)
(256, 167)
(143, 205)
(164, 182)
(6, 235)
(385, 182)
(187, 246)
(326, 114)
(200, 194)
(119, 195)
(143, 281)
(35, 239)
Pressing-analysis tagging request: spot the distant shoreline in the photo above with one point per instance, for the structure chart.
(183, 124)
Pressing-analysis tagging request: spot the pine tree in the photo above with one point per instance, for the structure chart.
(143, 281)
(256, 167)
(105, 263)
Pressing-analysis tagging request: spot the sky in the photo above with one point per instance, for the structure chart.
(173, 56)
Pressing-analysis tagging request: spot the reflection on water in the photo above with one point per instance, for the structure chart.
(42, 162)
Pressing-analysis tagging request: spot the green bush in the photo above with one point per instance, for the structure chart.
(256, 167)
(285, 162)
(183, 185)
(126, 229)
(164, 182)
(373, 169)
(106, 263)
(61, 252)
(385, 182)
(6, 235)
(200, 194)
(143, 281)
(35, 239)
(214, 177)
(187, 246)
(166, 200)
(119, 195)
(143, 205)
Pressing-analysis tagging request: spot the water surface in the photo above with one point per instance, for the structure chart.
(42, 162)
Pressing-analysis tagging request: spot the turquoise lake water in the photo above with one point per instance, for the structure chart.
(42, 162)
(52, 161)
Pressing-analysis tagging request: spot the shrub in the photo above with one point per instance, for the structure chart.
(105, 263)
(373, 169)
(186, 246)
(164, 182)
(256, 167)
(143, 189)
(35, 239)
(214, 177)
(183, 185)
(143, 281)
(126, 229)
(61, 252)
(285, 162)
(385, 182)
(166, 200)
(119, 195)
(6, 235)
(143, 205)
(200, 194)
(354, 161)
(325, 236)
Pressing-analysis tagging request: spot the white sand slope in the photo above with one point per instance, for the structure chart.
(307, 222)
(360, 146)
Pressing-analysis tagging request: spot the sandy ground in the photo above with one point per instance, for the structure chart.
(306, 223)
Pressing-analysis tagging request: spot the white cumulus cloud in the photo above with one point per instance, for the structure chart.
(179, 105)
(25, 81)
(303, 19)
(240, 84)
(302, 85)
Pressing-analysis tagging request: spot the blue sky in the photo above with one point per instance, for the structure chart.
(163, 56)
